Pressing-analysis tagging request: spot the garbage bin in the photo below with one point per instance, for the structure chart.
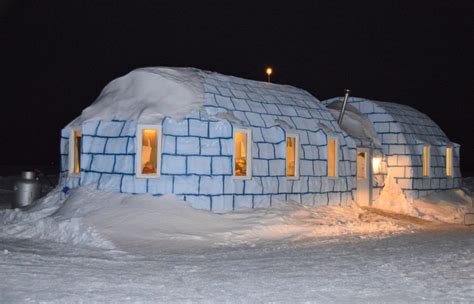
(27, 189)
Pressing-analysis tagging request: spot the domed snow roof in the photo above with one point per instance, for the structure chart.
(355, 124)
(147, 95)
(394, 118)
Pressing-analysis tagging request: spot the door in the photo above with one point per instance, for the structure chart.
(364, 176)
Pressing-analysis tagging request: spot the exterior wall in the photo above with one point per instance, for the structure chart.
(403, 132)
(196, 164)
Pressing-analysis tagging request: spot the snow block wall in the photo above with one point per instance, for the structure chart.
(196, 158)
(403, 132)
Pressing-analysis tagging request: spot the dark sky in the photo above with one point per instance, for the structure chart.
(56, 56)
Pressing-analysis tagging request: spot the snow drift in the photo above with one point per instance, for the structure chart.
(147, 95)
(41, 221)
(444, 206)
(142, 223)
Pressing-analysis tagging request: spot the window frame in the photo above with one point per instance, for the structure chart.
(451, 161)
(336, 157)
(138, 150)
(249, 153)
(428, 161)
(71, 152)
(297, 156)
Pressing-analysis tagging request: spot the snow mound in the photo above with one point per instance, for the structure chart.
(148, 223)
(160, 223)
(145, 223)
(445, 206)
(147, 95)
(41, 222)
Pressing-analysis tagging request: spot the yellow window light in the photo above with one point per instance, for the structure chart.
(290, 156)
(426, 160)
(149, 157)
(449, 161)
(332, 157)
(240, 153)
(77, 152)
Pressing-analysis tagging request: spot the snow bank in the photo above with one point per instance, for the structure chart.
(40, 221)
(444, 206)
(147, 95)
(144, 223)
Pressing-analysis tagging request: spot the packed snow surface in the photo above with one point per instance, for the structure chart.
(93, 246)
(147, 95)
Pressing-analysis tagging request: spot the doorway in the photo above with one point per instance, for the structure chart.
(364, 176)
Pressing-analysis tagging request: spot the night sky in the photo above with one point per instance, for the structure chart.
(56, 56)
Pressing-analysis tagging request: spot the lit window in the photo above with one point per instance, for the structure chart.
(242, 154)
(361, 165)
(449, 161)
(148, 151)
(426, 160)
(292, 156)
(74, 153)
(332, 157)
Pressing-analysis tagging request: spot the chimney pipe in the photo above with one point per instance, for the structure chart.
(343, 109)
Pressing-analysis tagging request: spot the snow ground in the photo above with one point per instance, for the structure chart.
(435, 266)
(92, 246)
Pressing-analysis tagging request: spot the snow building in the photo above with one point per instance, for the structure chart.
(415, 151)
(219, 142)
(222, 143)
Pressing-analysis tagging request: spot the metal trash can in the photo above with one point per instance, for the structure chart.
(27, 189)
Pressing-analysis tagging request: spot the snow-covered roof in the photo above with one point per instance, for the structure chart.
(147, 95)
(389, 117)
(356, 125)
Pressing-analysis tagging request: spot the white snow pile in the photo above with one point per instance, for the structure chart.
(42, 221)
(112, 220)
(147, 95)
(444, 206)
(89, 217)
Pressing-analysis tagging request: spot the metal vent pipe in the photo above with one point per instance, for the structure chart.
(343, 109)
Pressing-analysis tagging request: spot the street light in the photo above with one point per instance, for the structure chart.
(269, 71)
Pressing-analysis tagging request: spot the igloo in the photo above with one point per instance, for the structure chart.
(416, 153)
(222, 143)
(218, 142)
